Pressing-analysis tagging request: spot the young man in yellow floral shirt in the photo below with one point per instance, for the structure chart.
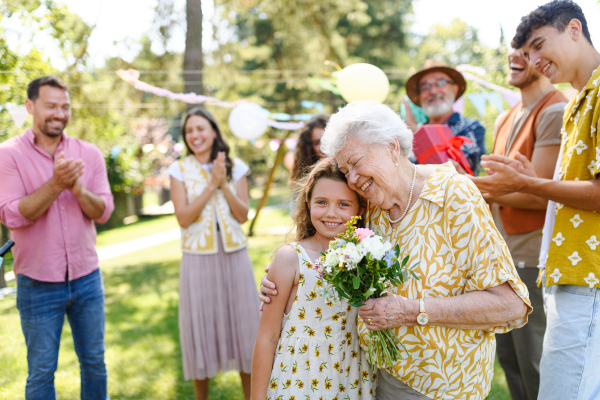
(559, 45)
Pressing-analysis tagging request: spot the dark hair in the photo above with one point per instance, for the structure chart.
(218, 145)
(33, 89)
(557, 13)
(303, 188)
(306, 156)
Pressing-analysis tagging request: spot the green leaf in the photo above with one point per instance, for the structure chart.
(356, 282)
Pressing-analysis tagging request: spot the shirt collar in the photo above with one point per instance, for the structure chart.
(591, 84)
(30, 136)
(431, 190)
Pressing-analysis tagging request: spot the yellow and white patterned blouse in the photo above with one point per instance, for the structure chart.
(450, 232)
(574, 253)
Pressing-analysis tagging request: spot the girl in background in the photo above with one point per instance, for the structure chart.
(218, 306)
(308, 345)
(308, 150)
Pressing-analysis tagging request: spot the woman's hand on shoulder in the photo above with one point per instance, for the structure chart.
(267, 289)
(283, 273)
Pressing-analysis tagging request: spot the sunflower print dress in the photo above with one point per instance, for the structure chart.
(318, 355)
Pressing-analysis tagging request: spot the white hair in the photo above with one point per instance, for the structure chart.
(369, 121)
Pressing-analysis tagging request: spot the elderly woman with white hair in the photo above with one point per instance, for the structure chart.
(468, 288)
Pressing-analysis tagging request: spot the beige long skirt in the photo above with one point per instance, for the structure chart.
(218, 313)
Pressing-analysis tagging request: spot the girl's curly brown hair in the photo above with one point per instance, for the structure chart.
(303, 188)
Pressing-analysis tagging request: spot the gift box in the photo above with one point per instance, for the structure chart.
(435, 144)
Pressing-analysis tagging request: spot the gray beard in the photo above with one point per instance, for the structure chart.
(433, 111)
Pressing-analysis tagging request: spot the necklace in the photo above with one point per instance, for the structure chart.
(392, 221)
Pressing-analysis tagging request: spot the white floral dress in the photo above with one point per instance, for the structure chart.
(318, 355)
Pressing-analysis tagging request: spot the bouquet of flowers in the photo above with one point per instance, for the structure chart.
(360, 265)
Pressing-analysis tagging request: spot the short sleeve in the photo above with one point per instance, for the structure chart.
(549, 125)
(497, 122)
(479, 249)
(239, 169)
(174, 170)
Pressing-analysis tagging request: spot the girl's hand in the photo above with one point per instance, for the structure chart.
(219, 171)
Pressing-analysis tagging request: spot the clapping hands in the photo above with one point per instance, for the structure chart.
(219, 171)
(67, 173)
(505, 175)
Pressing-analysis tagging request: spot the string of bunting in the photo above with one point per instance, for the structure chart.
(247, 120)
(18, 113)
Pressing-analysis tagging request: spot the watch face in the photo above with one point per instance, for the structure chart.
(422, 319)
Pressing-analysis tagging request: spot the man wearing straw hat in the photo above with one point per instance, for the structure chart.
(435, 88)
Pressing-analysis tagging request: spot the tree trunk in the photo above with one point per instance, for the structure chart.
(192, 59)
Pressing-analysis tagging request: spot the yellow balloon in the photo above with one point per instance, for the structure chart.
(363, 82)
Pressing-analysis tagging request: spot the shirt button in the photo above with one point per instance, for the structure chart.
(343, 342)
(65, 228)
(344, 313)
(343, 327)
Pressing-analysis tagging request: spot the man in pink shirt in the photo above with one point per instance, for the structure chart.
(53, 188)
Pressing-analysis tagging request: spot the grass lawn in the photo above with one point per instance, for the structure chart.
(143, 355)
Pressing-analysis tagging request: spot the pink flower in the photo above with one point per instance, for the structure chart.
(363, 233)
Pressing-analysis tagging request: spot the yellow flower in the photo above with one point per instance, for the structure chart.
(311, 332)
(342, 388)
(335, 317)
(312, 294)
(336, 366)
(273, 385)
(327, 385)
(318, 311)
(314, 383)
(348, 335)
(328, 329)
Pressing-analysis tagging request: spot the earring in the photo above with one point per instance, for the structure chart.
(395, 164)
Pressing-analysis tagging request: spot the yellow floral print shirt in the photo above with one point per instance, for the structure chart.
(450, 232)
(574, 253)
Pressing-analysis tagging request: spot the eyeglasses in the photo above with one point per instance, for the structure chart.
(439, 83)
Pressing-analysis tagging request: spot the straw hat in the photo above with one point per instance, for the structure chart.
(412, 85)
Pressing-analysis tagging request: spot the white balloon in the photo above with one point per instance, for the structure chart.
(363, 82)
(248, 121)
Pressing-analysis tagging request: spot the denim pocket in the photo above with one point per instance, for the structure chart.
(25, 281)
(578, 290)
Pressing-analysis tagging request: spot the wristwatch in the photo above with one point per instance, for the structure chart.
(422, 318)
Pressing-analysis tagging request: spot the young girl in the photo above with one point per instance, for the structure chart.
(307, 344)
(218, 306)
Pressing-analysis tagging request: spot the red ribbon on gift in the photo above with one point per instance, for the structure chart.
(450, 146)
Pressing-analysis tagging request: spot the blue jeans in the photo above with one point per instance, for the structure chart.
(570, 366)
(42, 306)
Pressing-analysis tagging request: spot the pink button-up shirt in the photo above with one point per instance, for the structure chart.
(63, 237)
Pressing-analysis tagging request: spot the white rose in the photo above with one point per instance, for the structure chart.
(353, 253)
(332, 258)
(375, 247)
